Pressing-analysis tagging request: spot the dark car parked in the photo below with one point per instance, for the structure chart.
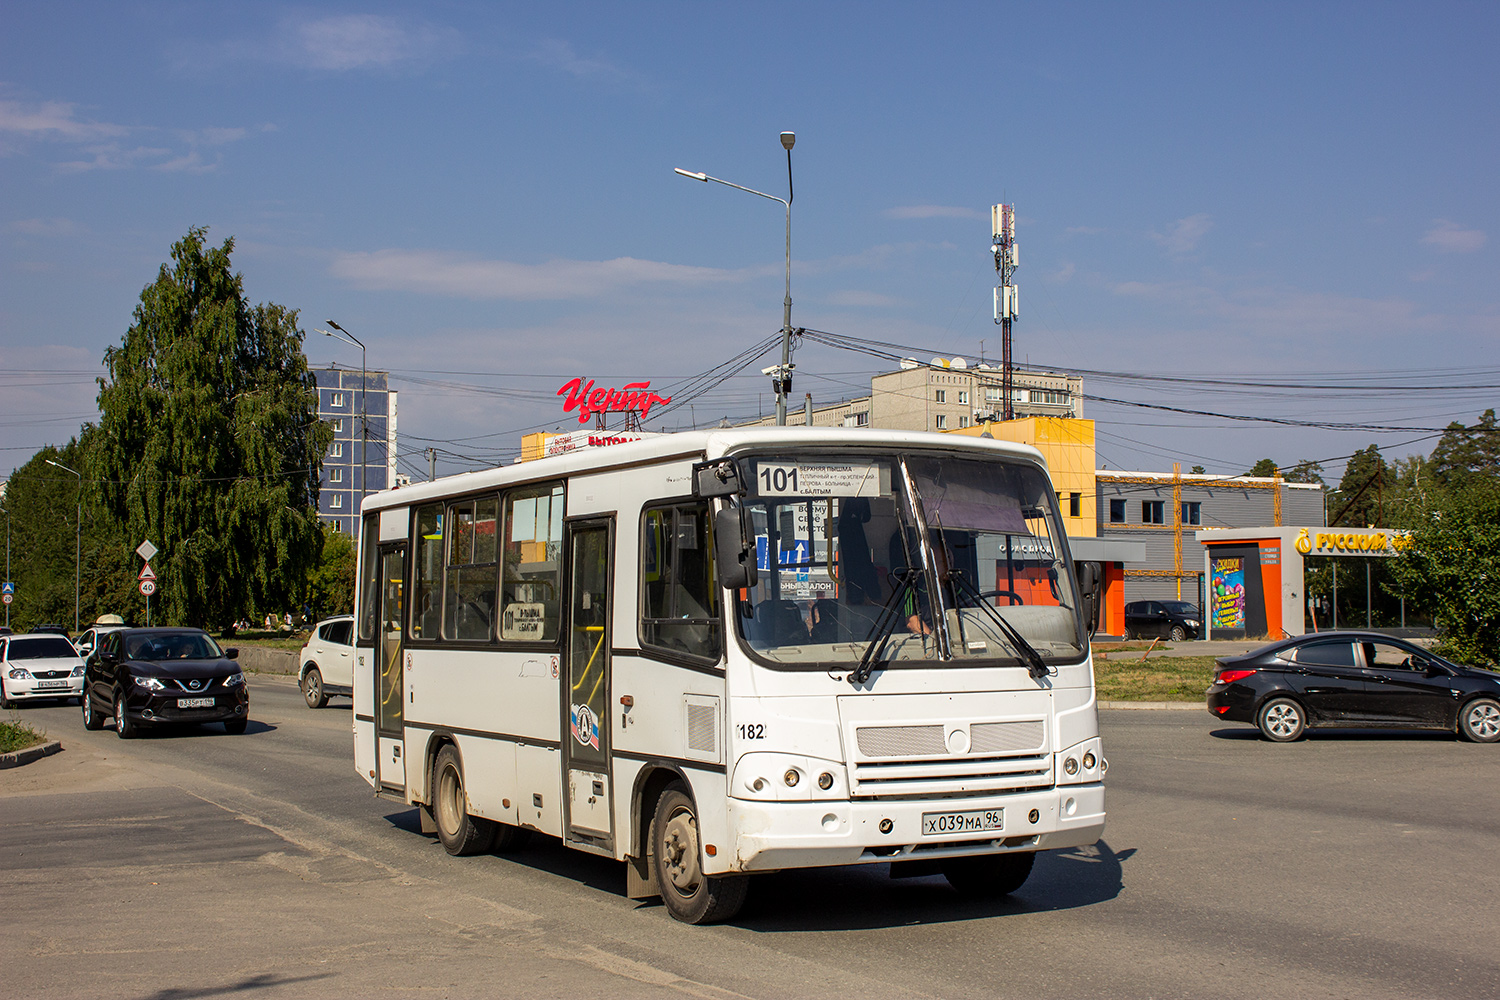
(1354, 679)
(149, 676)
(1175, 620)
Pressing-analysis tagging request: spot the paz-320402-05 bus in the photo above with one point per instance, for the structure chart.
(714, 654)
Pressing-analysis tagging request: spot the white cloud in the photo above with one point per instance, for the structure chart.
(560, 55)
(362, 41)
(1063, 273)
(1288, 313)
(440, 273)
(1450, 237)
(1185, 234)
(45, 227)
(53, 120)
(932, 212)
(863, 300)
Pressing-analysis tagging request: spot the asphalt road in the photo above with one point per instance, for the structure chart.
(200, 865)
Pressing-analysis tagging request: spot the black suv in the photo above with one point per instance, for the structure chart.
(1175, 620)
(147, 676)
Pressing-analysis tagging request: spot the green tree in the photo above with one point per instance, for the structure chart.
(331, 584)
(1265, 469)
(1364, 491)
(1466, 453)
(1198, 470)
(1305, 471)
(209, 443)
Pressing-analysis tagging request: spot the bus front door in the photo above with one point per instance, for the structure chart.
(587, 686)
(389, 684)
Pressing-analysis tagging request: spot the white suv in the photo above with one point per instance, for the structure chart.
(327, 661)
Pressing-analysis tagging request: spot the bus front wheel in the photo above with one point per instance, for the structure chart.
(676, 853)
(989, 874)
(460, 833)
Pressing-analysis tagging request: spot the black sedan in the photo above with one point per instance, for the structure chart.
(1354, 679)
(151, 676)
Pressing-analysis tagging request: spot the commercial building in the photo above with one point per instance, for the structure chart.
(349, 470)
(947, 395)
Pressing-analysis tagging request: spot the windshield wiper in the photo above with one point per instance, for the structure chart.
(885, 627)
(1035, 665)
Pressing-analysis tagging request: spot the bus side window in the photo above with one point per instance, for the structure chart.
(531, 581)
(469, 602)
(679, 597)
(427, 573)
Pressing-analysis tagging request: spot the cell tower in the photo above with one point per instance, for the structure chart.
(1003, 228)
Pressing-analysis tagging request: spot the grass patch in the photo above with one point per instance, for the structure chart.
(16, 735)
(1161, 678)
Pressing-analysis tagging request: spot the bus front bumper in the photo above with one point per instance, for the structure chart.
(774, 835)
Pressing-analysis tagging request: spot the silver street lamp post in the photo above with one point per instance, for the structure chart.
(364, 419)
(77, 540)
(6, 512)
(782, 380)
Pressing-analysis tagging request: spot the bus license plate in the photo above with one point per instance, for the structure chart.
(974, 821)
(49, 685)
(195, 703)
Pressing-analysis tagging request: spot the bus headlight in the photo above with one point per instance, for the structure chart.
(780, 777)
(1082, 763)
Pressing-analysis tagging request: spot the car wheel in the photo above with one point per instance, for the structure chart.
(312, 688)
(460, 833)
(236, 727)
(989, 874)
(1479, 722)
(1179, 633)
(91, 719)
(1129, 635)
(1281, 720)
(124, 728)
(676, 857)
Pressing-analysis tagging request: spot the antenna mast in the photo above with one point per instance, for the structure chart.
(1003, 230)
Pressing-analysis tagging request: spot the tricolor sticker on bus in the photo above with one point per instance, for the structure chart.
(585, 726)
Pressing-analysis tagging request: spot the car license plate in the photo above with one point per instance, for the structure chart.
(195, 703)
(51, 684)
(973, 821)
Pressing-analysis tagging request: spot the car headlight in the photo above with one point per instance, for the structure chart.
(78, 670)
(234, 680)
(151, 683)
(1192, 623)
(20, 674)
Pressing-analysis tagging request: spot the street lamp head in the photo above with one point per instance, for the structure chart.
(788, 140)
(689, 173)
(335, 326)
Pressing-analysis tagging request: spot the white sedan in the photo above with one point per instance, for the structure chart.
(38, 666)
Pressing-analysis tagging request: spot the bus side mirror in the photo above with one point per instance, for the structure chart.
(734, 553)
(717, 479)
(1087, 575)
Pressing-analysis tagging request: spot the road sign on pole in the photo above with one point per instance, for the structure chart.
(148, 587)
(147, 573)
(146, 550)
(7, 598)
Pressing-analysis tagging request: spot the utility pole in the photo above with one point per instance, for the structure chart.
(431, 454)
(1003, 230)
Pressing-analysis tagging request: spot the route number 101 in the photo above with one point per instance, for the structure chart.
(778, 479)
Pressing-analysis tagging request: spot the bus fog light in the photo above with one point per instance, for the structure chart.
(830, 822)
(791, 777)
(1034, 816)
(886, 826)
(1071, 765)
(1070, 806)
(1089, 761)
(758, 785)
(825, 781)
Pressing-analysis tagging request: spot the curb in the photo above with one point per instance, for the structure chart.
(30, 754)
(1178, 706)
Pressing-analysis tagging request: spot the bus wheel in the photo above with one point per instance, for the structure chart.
(688, 894)
(988, 874)
(460, 833)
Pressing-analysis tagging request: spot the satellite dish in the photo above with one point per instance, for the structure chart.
(960, 363)
(940, 362)
(909, 363)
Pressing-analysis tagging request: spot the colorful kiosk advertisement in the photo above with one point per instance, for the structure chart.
(1228, 592)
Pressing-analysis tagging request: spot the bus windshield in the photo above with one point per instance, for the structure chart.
(935, 558)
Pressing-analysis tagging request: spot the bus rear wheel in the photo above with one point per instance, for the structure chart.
(676, 854)
(988, 874)
(460, 833)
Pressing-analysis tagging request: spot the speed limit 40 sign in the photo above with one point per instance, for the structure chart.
(148, 587)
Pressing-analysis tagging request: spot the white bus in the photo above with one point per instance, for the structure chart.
(712, 654)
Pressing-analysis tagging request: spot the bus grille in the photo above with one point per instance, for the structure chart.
(915, 762)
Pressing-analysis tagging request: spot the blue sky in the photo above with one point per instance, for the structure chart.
(484, 193)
